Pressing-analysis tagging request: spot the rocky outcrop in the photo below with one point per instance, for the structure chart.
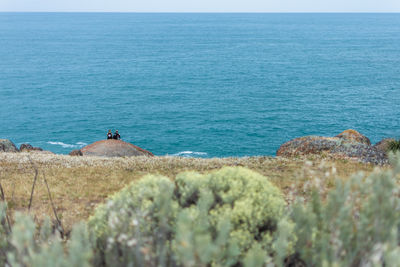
(76, 152)
(353, 135)
(7, 146)
(349, 144)
(114, 148)
(307, 145)
(28, 148)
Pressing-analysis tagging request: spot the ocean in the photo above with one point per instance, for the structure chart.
(202, 85)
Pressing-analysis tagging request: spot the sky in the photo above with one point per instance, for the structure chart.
(200, 5)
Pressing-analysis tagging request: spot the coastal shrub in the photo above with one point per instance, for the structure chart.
(356, 225)
(47, 248)
(198, 243)
(247, 199)
(230, 217)
(199, 219)
(394, 145)
(27, 245)
(4, 231)
(135, 225)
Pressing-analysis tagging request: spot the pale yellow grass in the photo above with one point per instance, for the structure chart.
(79, 184)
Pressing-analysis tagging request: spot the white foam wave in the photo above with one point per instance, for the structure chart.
(190, 154)
(64, 145)
(82, 144)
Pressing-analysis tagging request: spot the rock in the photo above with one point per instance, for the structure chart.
(348, 144)
(29, 148)
(25, 147)
(114, 148)
(353, 135)
(7, 146)
(76, 152)
(383, 145)
(361, 152)
(307, 145)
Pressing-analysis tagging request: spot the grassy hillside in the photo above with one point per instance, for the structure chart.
(79, 184)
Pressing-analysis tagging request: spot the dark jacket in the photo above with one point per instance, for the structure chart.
(109, 136)
(116, 136)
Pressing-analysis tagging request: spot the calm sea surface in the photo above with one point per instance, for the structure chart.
(208, 85)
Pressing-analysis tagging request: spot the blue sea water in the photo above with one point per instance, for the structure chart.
(209, 85)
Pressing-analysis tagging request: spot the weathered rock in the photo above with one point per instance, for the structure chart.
(383, 145)
(361, 152)
(76, 152)
(349, 144)
(29, 148)
(7, 146)
(114, 148)
(307, 145)
(25, 147)
(353, 135)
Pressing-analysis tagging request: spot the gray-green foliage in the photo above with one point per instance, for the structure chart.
(357, 225)
(25, 246)
(247, 199)
(134, 226)
(231, 217)
(197, 243)
(48, 249)
(3, 234)
(394, 145)
(198, 220)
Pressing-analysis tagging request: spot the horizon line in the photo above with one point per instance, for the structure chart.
(215, 12)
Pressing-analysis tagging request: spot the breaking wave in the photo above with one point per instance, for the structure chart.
(191, 154)
(64, 145)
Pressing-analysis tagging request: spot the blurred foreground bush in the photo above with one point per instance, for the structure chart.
(199, 220)
(357, 225)
(235, 217)
(231, 217)
(25, 245)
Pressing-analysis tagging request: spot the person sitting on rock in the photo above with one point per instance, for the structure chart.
(109, 135)
(116, 135)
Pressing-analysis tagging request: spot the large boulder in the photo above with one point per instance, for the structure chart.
(307, 145)
(353, 135)
(348, 144)
(76, 152)
(29, 148)
(113, 148)
(7, 146)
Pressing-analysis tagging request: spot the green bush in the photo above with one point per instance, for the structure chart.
(25, 246)
(357, 225)
(4, 231)
(135, 224)
(47, 249)
(394, 145)
(251, 203)
(230, 217)
(200, 219)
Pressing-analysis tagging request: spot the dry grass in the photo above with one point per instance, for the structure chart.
(78, 184)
